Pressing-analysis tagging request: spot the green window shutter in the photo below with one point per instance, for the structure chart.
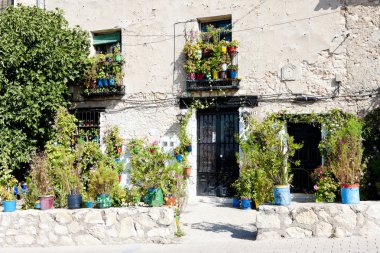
(108, 38)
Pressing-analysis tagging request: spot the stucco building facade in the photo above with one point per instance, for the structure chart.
(298, 56)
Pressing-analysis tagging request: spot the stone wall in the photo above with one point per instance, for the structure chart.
(86, 226)
(318, 220)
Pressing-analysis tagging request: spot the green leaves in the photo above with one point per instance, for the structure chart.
(39, 56)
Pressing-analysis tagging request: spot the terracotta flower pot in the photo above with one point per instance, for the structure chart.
(187, 172)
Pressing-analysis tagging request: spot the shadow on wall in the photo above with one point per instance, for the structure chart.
(180, 74)
(375, 103)
(328, 4)
(237, 231)
(335, 4)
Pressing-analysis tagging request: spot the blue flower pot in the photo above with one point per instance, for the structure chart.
(9, 205)
(37, 205)
(179, 158)
(233, 74)
(245, 204)
(111, 82)
(100, 82)
(89, 204)
(105, 82)
(350, 194)
(236, 202)
(282, 195)
(189, 148)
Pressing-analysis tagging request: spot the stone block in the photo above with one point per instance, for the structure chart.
(346, 217)
(166, 216)
(127, 229)
(110, 218)
(5, 220)
(94, 217)
(63, 218)
(66, 241)
(60, 229)
(11, 231)
(296, 232)
(268, 235)
(75, 227)
(84, 240)
(157, 232)
(267, 221)
(42, 239)
(24, 240)
(155, 213)
(373, 212)
(306, 217)
(98, 232)
(52, 238)
(323, 229)
(145, 221)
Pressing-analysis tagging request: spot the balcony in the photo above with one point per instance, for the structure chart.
(116, 90)
(212, 84)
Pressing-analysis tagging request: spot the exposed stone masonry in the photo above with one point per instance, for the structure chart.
(318, 220)
(86, 226)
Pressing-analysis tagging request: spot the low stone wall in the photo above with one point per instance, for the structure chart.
(86, 226)
(301, 220)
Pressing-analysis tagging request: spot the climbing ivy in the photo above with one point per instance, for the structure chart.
(39, 56)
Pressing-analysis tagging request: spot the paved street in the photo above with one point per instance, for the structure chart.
(211, 227)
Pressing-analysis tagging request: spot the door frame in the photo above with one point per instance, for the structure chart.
(218, 162)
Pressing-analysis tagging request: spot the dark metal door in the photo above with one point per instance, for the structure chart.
(309, 155)
(217, 148)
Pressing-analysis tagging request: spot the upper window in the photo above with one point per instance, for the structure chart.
(106, 42)
(224, 24)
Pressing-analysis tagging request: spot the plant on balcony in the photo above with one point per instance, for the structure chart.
(232, 71)
(203, 70)
(232, 46)
(190, 67)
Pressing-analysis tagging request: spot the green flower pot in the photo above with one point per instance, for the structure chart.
(103, 201)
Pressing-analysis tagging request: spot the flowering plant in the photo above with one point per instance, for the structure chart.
(325, 185)
(345, 155)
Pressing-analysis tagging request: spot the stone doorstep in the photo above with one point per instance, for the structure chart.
(318, 220)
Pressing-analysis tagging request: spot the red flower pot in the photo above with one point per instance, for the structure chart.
(170, 201)
(200, 76)
(47, 202)
(119, 178)
(232, 49)
(120, 150)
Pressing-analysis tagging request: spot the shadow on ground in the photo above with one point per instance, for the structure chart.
(237, 231)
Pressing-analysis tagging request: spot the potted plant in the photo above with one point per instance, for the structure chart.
(345, 157)
(223, 46)
(215, 66)
(100, 78)
(178, 154)
(74, 199)
(208, 49)
(102, 182)
(232, 47)
(190, 68)
(244, 191)
(203, 69)
(232, 71)
(117, 53)
(7, 194)
(40, 177)
(186, 168)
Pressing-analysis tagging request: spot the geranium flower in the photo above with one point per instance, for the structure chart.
(315, 187)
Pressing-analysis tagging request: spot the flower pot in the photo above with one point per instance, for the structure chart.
(154, 197)
(224, 67)
(232, 74)
(224, 49)
(191, 76)
(103, 201)
(222, 74)
(46, 202)
(9, 205)
(105, 82)
(89, 204)
(74, 201)
(200, 76)
(37, 205)
(99, 81)
(119, 176)
(170, 201)
(111, 81)
(120, 150)
(232, 49)
(179, 158)
(245, 204)
(206, 53)
(187, 172)
(236, 202)
(189, 148)
(282, 195)
(215, 75)
(350, 194)
(118, 58)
